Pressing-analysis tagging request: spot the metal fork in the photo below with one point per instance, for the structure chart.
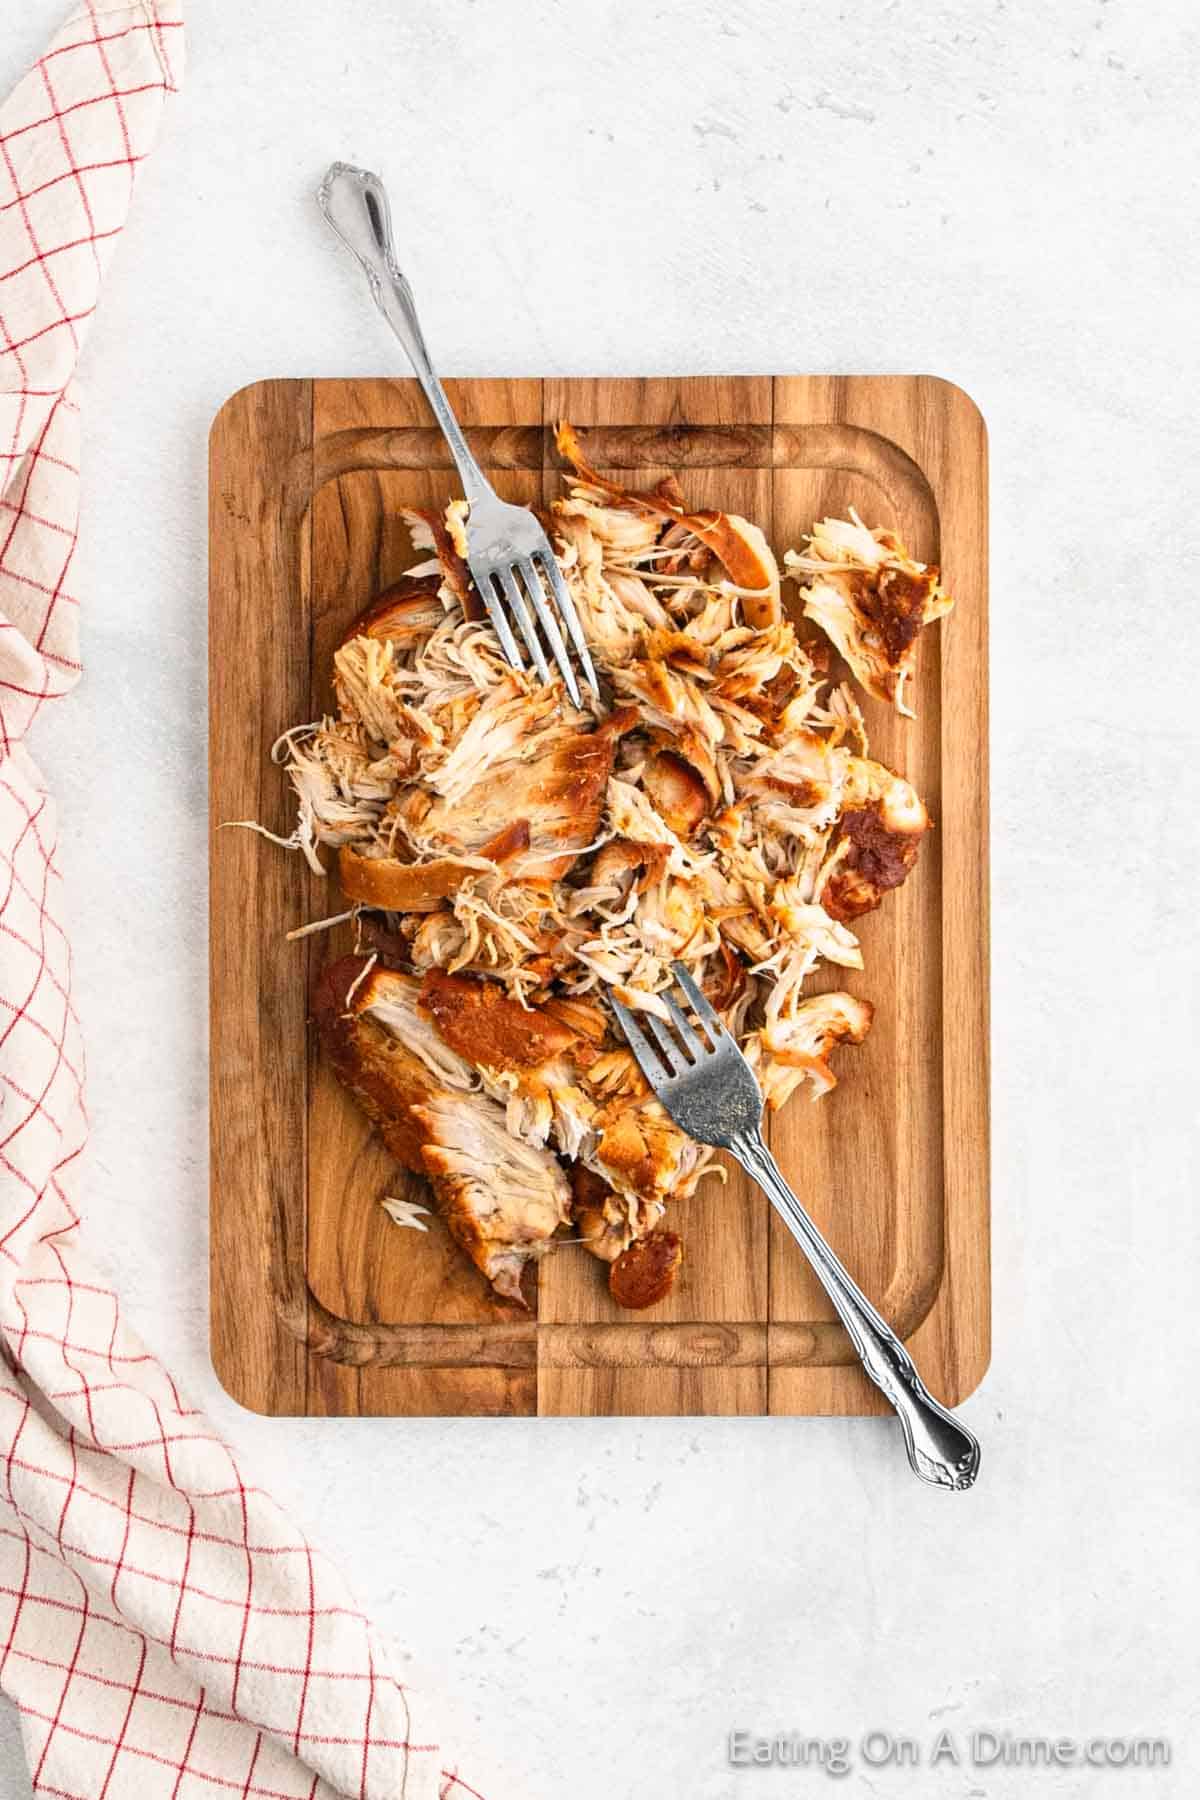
(710, 1091)
(509, 554)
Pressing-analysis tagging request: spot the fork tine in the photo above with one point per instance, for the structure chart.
(639, 1043)
(700, 1005)
(549, 624)
(498, 617)
(525, 624)
(673, 1056)
(566, 607)
(682, 1024)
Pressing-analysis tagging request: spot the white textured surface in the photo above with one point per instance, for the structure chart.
(1002, 194)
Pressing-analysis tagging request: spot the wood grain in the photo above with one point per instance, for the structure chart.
(258, 1088)
(319, 1302)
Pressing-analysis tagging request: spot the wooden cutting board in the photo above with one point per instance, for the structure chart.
(319, 1303)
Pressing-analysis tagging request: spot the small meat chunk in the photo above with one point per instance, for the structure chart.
(677, 793)
(645, 1273)
(404, 613)
(871, 598)
(391, 885)
(875, 842)
(737, 545)
(383, 1075)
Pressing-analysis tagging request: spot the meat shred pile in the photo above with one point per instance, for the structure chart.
(511, 859)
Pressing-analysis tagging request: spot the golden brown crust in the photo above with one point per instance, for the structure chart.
(897, 607)
(578, 780)
(394, 886)
(590, 1196)
(455, 572)
(637, 1153)
(871, 599)
(401, 612)
(677, 792)
(510, 841)
(385, 1079)
(645, 1273)
(456, 1139)
(455, 1200)
(875, 857)
(483, 1025)
(621, 856)
(584, 1018)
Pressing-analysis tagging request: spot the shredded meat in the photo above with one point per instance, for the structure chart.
(502, 1200)
(866, 592)
(875, 842)
(555, 782)
(512, 859)
(386, 1079)
(738, 546)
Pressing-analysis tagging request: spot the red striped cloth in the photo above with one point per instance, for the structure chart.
(165, 1631)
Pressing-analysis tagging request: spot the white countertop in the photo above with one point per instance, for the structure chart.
(1004, 194)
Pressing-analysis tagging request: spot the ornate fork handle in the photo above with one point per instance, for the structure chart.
(512, 561)
(355, 203)
(940, 1450)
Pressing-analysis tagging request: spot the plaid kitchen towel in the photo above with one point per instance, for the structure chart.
(165, 1631)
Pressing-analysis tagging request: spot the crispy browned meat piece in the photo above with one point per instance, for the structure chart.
(795, 1046)
(385, 1078)
(431, 527)
(645, 1273)
(502, 1200)
(402, 887)
(677, 792)
(875, 842)
(482, 1024)
(403, 613)
(872, 599)
(877, 858)
(642, 1151)
(600, 1215)
(637, 1155)
(589, 1192)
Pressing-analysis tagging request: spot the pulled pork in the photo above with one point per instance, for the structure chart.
(868, 595)
(512, 858)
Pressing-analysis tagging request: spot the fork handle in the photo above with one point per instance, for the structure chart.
(355, 204)
(940, 1449)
